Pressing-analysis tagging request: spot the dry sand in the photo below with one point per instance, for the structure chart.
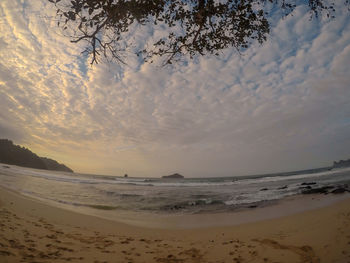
(31, 231)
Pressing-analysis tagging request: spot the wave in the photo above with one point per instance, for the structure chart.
(251, 198)
(202, 182)
(223, 181)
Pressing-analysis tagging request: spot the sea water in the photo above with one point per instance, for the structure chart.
(162, 196)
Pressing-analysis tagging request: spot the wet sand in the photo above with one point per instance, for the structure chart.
(31, 231)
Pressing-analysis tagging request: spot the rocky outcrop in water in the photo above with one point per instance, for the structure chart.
(309, 183)
(339, 189)
(173, 176)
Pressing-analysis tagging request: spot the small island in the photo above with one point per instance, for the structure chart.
(173, 176)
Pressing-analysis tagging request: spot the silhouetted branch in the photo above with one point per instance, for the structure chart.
(208, 26)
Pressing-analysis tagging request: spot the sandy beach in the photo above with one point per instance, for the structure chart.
(31, 231)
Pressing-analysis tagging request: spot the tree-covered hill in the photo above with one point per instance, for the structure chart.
(21, 156)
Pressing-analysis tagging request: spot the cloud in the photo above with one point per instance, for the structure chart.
(279, 106)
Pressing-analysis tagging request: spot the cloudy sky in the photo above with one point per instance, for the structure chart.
(281, 106)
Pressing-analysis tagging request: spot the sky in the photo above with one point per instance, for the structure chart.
(280, 106)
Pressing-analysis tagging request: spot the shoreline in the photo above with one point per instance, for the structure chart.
(272, 209)
(31, 231)
(217, 203)
(275, 209)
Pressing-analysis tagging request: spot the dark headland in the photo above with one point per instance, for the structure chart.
(21, 156)
(341, 164)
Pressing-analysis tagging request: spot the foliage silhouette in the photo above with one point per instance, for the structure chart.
(194, 27)
(17, 155)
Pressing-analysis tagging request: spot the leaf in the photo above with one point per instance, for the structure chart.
(201, 26)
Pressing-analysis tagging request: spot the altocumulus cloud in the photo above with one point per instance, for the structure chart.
(284, 105)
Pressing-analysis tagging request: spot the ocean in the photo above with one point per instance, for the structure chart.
(162, 196)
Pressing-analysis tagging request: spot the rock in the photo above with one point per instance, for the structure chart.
(173, 176)
(306, 187)
(264, 189)
(283, 187)
(176, 207)
(311, 183)
(320, 190)
(125, 175)
(340, 190)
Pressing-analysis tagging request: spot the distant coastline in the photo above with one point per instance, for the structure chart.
(21, 156)
(341, 164)
(336, 165)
